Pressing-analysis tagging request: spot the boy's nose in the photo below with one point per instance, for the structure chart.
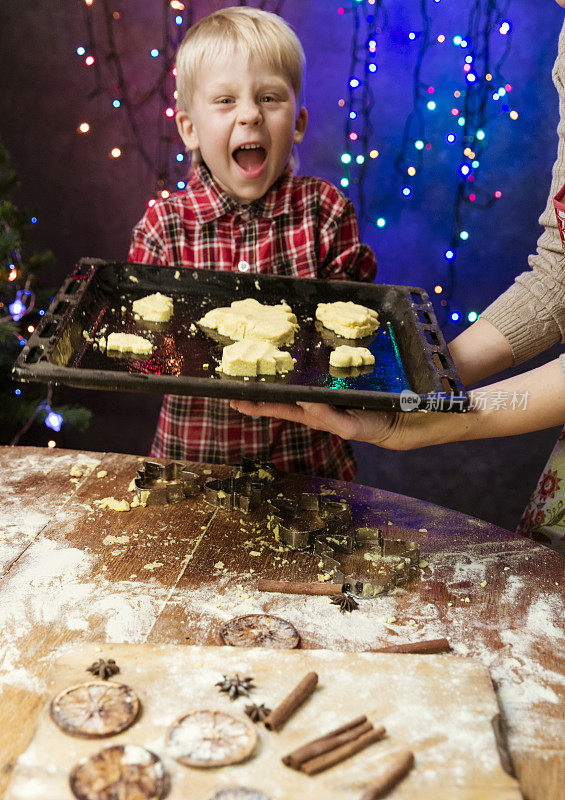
(250, 114)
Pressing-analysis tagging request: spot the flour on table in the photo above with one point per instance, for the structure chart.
(255, 357)
(154, 307)
(249, 318)
(350, 320)
(346, 356)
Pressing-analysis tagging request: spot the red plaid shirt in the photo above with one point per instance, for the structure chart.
(303, 227)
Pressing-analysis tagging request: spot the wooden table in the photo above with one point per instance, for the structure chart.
(72, 572)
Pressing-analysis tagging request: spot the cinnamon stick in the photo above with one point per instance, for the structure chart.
(427, 646)
(330, 741)
(284, 710)
(399, 765)
(326, 760)
(297, 587)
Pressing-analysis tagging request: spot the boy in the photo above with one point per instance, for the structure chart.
(239, 76)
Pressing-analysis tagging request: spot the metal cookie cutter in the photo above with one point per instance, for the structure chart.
(245, 490)
(158, 484)
(299, 523)
(392, 560)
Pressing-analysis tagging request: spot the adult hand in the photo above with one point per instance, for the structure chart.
(384, 428)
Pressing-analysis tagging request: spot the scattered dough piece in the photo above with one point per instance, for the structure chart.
(128, 343)
(76, 472)
(349, 320)
(346, 356)
(249, 318)
(111, 502)
(102, 473)
(255, 357)
(155, 307)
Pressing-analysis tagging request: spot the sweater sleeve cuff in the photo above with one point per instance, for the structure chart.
(535, 332)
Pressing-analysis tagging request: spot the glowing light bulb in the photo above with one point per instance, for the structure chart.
(505, 28)
(472, 197)
(475, 164)
(461, 121)
(178, 20)
(181, 184)
(419, 144)
(115, 152)
(432, 105)
(480, 135)
(81, 51)
(18, 392)
(472, 316)
(451, 137)
(488, 77)
(53, 421)
(352, 115)
(151, 203)
(438, 289)
(457, 40)
(180, 156)
(13, 275)
(374, 154)
(341, 10)
(341, 102)
(412, 35)
(441, 38)
(177, 5)
(174, 72)
(464, 235)
(346, 158)
(406, 191)
(30, 329)
(360, 159)
(455, 112)
(449, 254)
(508, 87)
(457, 94)
(88, 2)
(372, 67)
(411, 171)
(381, 222)
(51, 443)
(165, 194)
(353, 136)
(89, 61)
(34, 220)
(344, 182)
(455, 316)
(513, 115)
(84, 127)
(471, 77)
(498, 194)
(169, 112)
(431, 90)
(468, 59)
(154, 52)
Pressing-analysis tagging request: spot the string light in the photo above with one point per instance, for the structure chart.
(51, 443)
(84, 127)
(115, 152)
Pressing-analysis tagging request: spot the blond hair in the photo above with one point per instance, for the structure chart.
(254, 32)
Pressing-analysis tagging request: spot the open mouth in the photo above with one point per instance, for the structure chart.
(250, 157)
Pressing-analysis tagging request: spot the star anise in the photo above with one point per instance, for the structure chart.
(104, 669)
(257, 713)
(234, 685)
(345, 601)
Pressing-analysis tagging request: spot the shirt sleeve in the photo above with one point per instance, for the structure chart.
(147, 245)
(341, 254)
(531, 313)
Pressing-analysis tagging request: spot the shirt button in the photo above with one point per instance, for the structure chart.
(243, 266)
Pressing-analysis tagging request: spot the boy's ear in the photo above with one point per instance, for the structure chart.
(187, 130)
(300, 125)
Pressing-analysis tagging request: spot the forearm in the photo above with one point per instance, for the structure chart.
(480, 351)
(524, 403)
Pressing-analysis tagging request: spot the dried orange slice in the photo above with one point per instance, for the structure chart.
(128, 772)
(95, 709)
(211, 739)
(259, 630)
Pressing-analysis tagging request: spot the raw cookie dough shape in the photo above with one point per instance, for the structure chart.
(127, 771)
(345, 356)
(158, 484)
(249, 318)
(251, 357)
(95, 709)
(348, 319)
(259, 630)
(154, 307)
(211, 739)
(128, 343)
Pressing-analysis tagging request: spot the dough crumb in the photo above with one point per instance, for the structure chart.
(113, 504)
(76, 472)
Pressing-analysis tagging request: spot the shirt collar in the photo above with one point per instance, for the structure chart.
(211, 202)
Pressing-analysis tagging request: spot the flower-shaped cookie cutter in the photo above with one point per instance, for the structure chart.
(392, 561)
(299, 523)
(245, 490)
(158, 484)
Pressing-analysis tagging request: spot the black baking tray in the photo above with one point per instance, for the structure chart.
(410, 352)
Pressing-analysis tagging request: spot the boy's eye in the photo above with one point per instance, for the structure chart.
(224, 100)
(268, 98)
